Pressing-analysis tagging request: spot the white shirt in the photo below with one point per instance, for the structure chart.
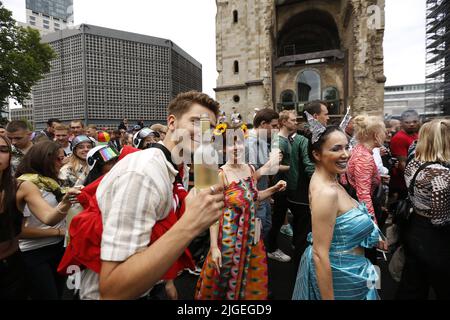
(33, 222)
(382, 170)
(132, 197)
(67, 150)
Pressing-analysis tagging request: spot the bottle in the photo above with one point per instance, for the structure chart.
(206, 158)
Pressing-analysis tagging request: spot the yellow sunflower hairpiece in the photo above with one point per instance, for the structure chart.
(220, 129)
(244, 130)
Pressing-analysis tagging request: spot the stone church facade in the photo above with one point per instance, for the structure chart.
(283, 53)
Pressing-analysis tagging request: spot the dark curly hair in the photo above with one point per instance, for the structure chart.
(40, 159)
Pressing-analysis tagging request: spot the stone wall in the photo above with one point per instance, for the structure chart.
(249, 42)
(252, 41)
(368, 77)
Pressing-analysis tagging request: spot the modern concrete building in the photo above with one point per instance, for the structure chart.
(103, 75)
(23, 113)
(49, 15)
(403, 97)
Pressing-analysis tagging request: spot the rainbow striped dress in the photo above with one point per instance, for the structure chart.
(243, 275)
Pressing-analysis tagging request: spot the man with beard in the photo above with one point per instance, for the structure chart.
(400, 144)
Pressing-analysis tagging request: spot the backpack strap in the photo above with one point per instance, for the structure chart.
(168, 156)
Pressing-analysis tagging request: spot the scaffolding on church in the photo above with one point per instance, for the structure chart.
(437, 96)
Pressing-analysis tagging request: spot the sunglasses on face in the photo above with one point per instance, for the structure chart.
(5, 149)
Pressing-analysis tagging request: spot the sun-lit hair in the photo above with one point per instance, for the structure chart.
(284, 115)
(61, 127)
(366, 126)
(434, 141)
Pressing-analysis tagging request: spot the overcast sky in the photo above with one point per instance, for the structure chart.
(191, 25)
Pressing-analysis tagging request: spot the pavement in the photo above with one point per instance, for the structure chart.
(282, 278)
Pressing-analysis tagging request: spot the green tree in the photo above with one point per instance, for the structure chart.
(23, 58)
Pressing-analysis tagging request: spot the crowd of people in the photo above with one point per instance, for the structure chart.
(120, 207)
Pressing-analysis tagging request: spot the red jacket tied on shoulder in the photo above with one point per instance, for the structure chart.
(86, 230)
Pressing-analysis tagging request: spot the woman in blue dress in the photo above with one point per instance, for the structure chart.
(334, 267)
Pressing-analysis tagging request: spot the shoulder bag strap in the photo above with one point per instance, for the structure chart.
(413, 181)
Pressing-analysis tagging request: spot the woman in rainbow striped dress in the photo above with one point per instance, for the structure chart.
(236, 266)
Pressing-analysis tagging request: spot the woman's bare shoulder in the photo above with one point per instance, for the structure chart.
(324, 193)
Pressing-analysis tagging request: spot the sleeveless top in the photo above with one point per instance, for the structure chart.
(9, 231)
(6, 228)
(34, 222)
(243, 275)
(354, 277)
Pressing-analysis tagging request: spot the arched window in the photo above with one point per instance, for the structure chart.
(235, 16)
(331, 95)
(236, 66)
(308, 31)
(308, 85)
(288, 100)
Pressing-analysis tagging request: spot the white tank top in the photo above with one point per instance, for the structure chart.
(33, 222)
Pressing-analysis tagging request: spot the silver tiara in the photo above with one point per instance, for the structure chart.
(346, 120)
(315, 126)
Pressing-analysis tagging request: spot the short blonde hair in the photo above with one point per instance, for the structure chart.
(434, 141)
(284, 115)
(159, 128)
(365, 126)
(61, 127)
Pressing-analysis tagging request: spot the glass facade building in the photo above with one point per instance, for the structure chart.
(61, 9)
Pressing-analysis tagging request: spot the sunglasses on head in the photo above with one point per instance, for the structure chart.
(144, 133)
(107, 154)
(5, 149)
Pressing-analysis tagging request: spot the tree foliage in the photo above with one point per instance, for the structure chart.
(23, 58)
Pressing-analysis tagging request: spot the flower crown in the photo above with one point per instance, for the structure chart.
(221, 128)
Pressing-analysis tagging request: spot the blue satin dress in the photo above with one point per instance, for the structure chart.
(354, 276)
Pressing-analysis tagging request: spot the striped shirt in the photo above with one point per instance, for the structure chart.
(362, 173)
(132, 197)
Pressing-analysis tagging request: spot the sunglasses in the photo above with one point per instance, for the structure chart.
(5, 149)
(107, 154)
